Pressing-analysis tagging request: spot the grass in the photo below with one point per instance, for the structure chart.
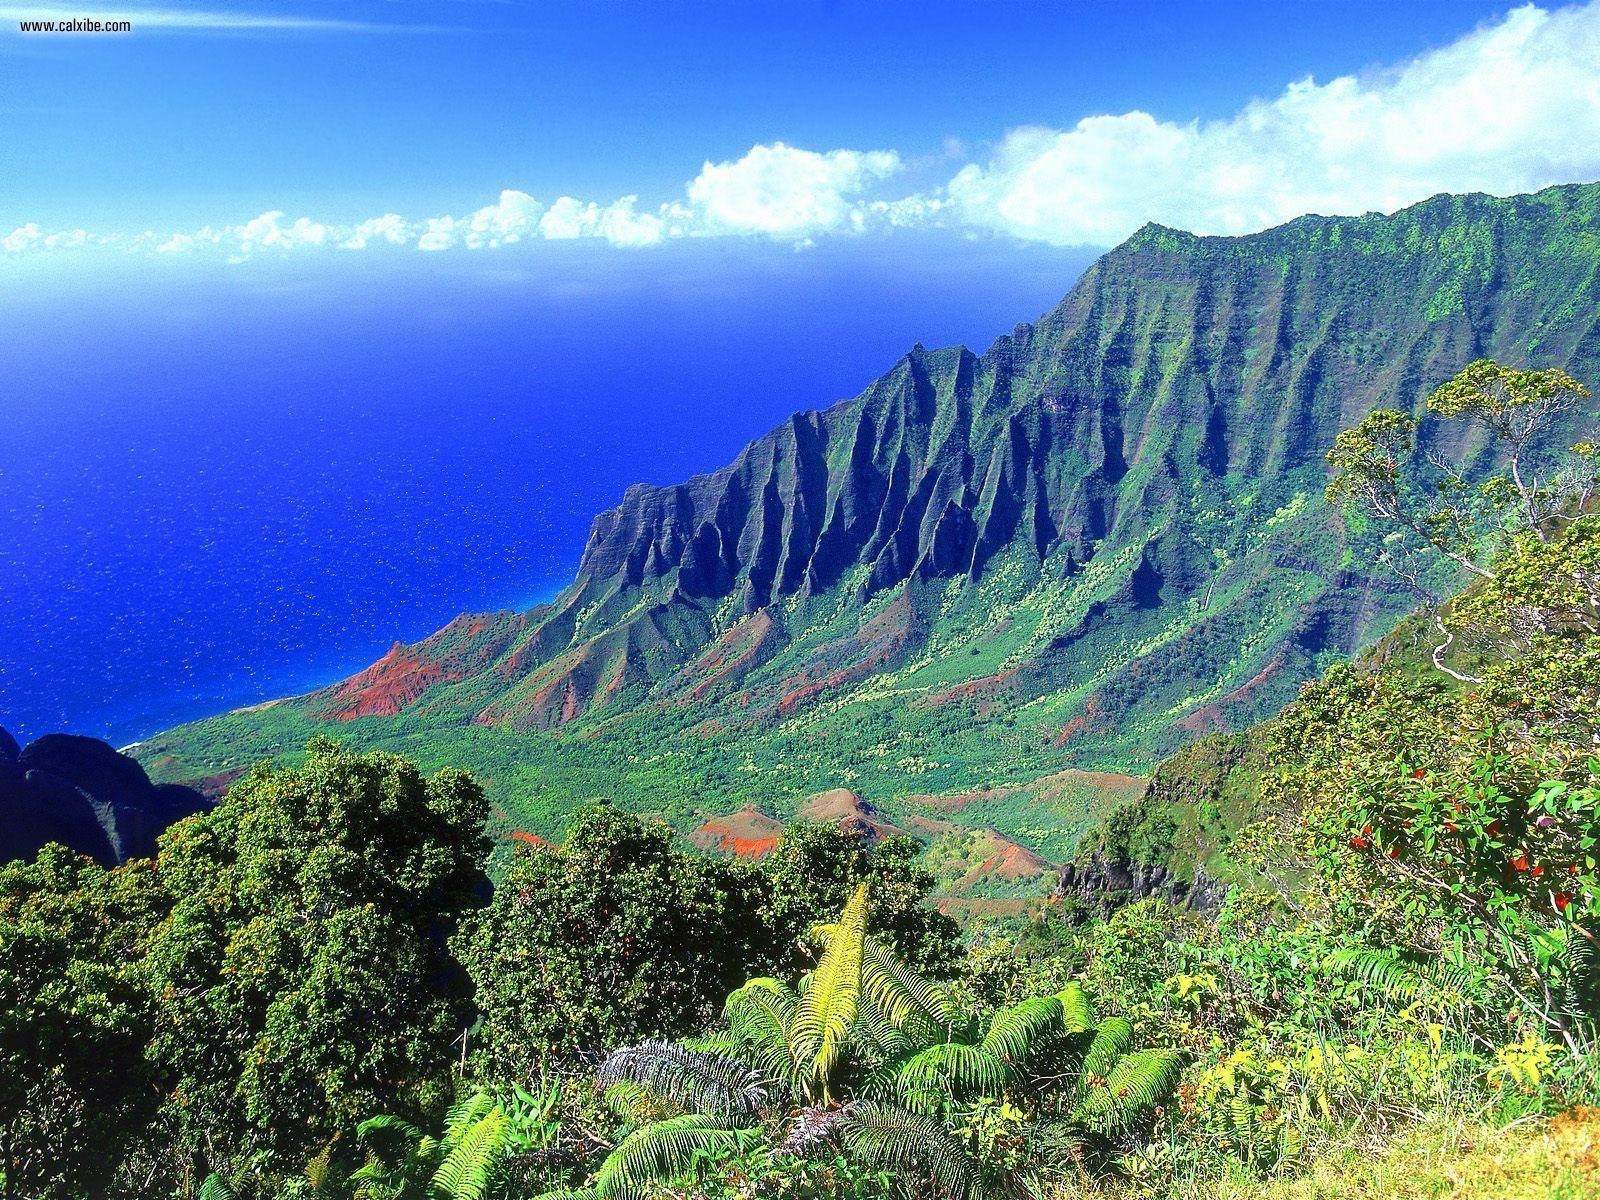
(1451, 1160)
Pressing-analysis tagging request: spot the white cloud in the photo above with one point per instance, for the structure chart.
(22, 239)
(499, 224)
(438, 234)
(390, 227)
(1511, 107)
(618, 223)
(782, 190)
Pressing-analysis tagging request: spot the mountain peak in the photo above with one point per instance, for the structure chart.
(1105, 533)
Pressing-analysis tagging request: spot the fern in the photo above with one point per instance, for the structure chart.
(386, 1132)
(464, 1114)
(906, 1143)
(475, 1151)
(216, 1188)
(694, 1080)
(1134, 1086)
(1077, 1015)
(1017, 1033)
(827, 1010)
(901, 994)
(1112, 1038)
(1382, 969)
(628, 1100)
(876, 1034)
(950, 1071)
(760, 1015)
(669, 1150)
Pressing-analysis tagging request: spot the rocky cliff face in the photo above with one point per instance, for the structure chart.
(82, 793)
(1114, 514)
(1103, 885)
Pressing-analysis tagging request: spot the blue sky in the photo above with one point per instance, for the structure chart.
(1066, 122)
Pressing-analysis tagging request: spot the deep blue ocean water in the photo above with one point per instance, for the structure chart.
(225, 483)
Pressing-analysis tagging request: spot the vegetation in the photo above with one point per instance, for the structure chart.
(316, 991)
(1080, 549)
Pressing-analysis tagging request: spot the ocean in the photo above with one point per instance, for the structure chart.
(222, 483)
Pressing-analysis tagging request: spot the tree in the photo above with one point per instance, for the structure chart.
(613, 936)
(1432, 506)
(469, 1159)
(304, 975)
(1467, 823)
(813, 871)
(618, 934)
(75, 1016)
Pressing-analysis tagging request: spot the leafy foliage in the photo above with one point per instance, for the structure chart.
(302, 973)
(76, 1090)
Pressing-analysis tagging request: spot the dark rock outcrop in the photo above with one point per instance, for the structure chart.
(82, 793)
(1103, 885)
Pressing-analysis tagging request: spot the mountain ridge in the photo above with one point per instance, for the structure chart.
(1105, 530)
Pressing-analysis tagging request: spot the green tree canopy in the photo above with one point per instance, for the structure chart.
(304, 975)
(75, 1089)
(616, 934)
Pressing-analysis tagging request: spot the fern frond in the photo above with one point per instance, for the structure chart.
(820, 1030)
(216, 1188)
(690, 1079)
(1135, 1085)
(950, 1071)
(1077, 1014)
(474, 1155)
(875, 1032)
(626, 1099)
(1382, 969)
(759, 1015)
(390, 1139)
(906, 1143)
(384, 1124)
(1112, 1038)
(1018, 1032)
(465, 1113)
(668, 1150)
(902, 994)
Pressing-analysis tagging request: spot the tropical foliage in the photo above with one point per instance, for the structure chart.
(327, 987)
(869, 1060)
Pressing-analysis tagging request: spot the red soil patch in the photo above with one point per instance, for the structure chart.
(385, 687)
(1093, 717)
(968, 907)
(1010, 861)
(732, 656)
(748, 833)
(951, 803)
(878, 644)
(532, 840)
(213, 787)
(465, 646)
(989, 687)
(800, 693)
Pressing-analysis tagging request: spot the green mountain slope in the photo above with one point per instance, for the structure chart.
(1096, 541)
